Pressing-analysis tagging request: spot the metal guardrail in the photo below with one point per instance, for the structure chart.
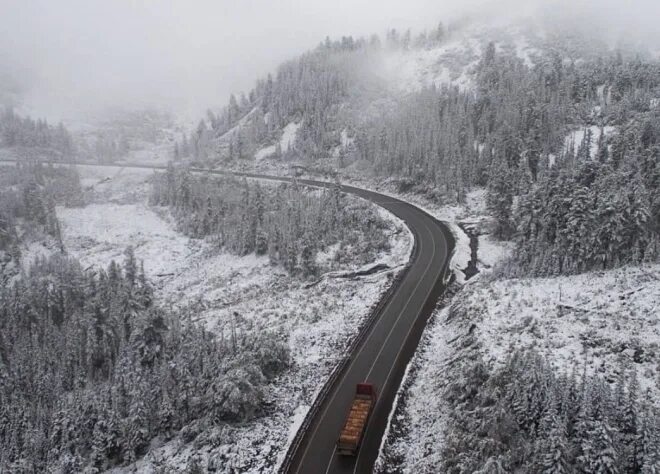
(339, 369)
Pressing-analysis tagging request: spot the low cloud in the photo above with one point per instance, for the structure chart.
(75, 57)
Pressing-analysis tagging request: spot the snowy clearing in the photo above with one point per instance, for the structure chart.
(265, 152)
(602, 319)
(287, 140)
(99, 233)
(575, 138)
(446, 65)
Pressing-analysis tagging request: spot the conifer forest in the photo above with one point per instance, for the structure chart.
(269, 237)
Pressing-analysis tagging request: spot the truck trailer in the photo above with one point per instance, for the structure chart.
(352, 433)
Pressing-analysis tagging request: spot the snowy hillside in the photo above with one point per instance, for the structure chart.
(287, 140)
(232, 300)
(601, 322)
(448, 65)
(601, 319)
(454, 62)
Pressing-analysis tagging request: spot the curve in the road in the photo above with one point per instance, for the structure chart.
(384, 346)
(383, 354)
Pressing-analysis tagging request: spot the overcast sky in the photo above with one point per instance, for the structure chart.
(72, 55)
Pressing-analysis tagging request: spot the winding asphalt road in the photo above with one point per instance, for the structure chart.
(384, 353)
(387, 345)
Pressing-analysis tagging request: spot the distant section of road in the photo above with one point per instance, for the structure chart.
(384, 346)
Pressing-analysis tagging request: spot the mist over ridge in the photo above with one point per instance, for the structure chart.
(70, 60)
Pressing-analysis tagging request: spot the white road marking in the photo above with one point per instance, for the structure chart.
(348, 369)
(331, 458)
(357, 461)
(405, 306)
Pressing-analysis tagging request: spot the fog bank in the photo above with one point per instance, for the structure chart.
(73, 57)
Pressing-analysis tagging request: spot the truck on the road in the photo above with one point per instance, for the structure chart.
(356, 422)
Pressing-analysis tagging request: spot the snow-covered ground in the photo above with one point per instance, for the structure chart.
(114, 184)
(603, 321)
(454, 62)
(575, 138)
(449, 64)
(227, 293)
(99, 233)
(287, 140)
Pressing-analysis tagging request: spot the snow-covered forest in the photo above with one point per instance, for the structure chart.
(562, 134)
(35, 138)
(91, 367)
(288, 223)
(96, 363)
(507, 132)
(27, 208)
(182, 321)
